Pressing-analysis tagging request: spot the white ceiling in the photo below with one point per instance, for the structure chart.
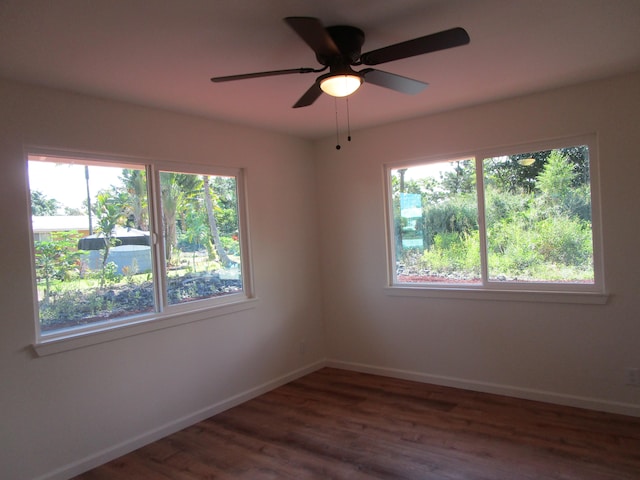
(163, 53)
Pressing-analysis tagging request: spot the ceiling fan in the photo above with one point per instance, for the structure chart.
(337, 48)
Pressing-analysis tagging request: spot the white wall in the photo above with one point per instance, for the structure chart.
(62, 413)
(575, 354)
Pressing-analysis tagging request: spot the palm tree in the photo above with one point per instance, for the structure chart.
(197, 231)
(176, 190)
(136, 184)
(109, 210)
(213, 225)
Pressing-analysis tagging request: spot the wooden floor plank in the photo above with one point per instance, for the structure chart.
(337, 424)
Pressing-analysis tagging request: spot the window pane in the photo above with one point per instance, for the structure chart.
(538, 217)
(91, 242)
(435, 215)
(202, 248)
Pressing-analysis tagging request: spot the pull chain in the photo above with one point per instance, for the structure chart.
(335, 104)
(348, 122)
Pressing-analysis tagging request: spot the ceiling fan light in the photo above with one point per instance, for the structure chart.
(340, 85)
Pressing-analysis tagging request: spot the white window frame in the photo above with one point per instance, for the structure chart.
(592, 293)
(166, 315)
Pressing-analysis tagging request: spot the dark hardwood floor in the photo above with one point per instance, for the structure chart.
(336, 424)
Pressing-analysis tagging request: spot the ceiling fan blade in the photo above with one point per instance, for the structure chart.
(270, 73)
(314, 34)
(394, 82)
(309, 96)
(454, 37)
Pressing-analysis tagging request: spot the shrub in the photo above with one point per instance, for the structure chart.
(453, 253)
(564, 241)
(458, 215)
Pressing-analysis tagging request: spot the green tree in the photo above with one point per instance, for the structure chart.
(109, 211)
(213, 224)
(226, 202)
(458, 216)
(555, 183)
(579, 158)
(135, 183)
(55, 259)
(177, 189)
(515, 174)
(41, 205)
(196, 231)
(510, 175)
(461, 180)
(75, 211)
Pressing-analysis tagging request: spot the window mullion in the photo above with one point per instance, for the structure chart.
(155, 211)
(484, 270)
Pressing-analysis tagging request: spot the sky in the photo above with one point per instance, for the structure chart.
(66, 183)
(433, 170)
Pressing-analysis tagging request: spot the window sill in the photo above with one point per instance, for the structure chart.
(62, 342)
(587, 298)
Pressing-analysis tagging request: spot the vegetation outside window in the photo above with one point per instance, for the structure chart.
(200, 225)
(497, 220)
(116, 243)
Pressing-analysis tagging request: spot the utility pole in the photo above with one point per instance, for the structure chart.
(86, 176)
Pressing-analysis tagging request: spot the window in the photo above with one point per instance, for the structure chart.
(116, 243)
(522, 219)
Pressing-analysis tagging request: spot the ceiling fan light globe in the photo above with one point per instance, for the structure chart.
(340, 85)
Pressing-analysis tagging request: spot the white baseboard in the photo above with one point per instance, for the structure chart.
(129, 445)
(598, 404)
